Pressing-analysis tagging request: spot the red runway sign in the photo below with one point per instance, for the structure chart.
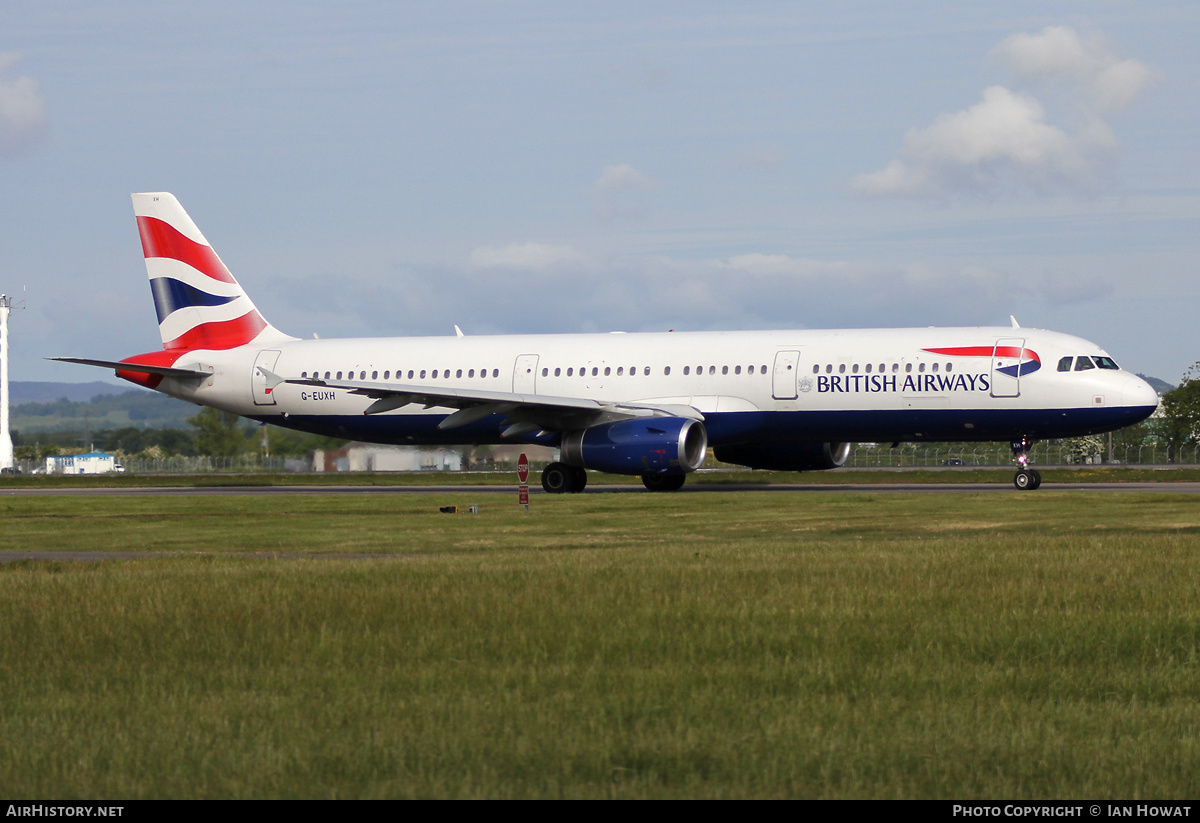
(523, 476)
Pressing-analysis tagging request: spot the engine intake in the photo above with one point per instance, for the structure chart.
(658, 444)
(789, 457)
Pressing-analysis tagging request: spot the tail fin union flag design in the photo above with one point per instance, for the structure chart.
(199, 303)
(192, 285)
(1026, 361)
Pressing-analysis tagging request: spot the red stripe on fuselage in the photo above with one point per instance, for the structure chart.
(226, 334)
(161, 239)
(986, 351)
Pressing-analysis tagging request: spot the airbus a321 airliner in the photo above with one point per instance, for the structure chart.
(635, 404)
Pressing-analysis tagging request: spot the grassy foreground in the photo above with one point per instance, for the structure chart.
(701, 645)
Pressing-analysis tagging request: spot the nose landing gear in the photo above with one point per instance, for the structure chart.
(1026, 479)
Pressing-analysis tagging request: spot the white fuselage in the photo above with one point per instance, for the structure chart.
(810, 385)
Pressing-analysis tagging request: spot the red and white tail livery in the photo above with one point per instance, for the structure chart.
(199, 303)
(639, 404)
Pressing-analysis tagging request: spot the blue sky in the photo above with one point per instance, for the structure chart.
(390, 168)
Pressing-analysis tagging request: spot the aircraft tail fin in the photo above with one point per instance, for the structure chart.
(199, 303)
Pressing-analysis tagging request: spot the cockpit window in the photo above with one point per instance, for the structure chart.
(1083, 364)
(1065, 363)
(1106, 363)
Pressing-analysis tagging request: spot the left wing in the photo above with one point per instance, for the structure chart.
(524, 413)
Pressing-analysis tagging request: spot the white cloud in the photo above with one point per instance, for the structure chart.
(1006, 139)
(1059, 51)
(1002, 138)
(22, 110)
(621, 177)
(621, 192)
(537, 257)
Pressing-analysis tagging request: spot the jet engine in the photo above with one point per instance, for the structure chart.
(673, 445)
(790, 457)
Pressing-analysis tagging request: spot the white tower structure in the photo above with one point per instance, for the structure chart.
(6, 446)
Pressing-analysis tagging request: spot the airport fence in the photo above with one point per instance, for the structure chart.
(181, 464)
(248, 463)
(999, 454)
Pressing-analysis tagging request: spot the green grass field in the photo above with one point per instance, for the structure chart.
(821, 644)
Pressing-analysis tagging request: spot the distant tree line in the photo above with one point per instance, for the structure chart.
(212, 434)
(137, 404)
(1179, 425)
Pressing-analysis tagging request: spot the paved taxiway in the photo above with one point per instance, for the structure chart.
(874, 488)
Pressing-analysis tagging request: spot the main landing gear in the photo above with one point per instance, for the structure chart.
(559, 478)
(1026, 479)
(657, 482)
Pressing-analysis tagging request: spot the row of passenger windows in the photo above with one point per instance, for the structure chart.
(608, 371)
(412, 374)
(1085, 363)
(908, 367)
(570, 371)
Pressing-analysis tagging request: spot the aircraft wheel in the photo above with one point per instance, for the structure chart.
(1037, 478)
(578, 481)
(556, 478)
(663, 482)
(675, 482)
(1024, 480)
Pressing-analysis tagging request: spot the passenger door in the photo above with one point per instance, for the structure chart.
(1008, 354)
(258, 383)
(525, 374)
(783, 380)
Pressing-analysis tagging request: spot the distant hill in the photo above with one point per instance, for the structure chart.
(102, 407)
(1160, 386)
(32, 392)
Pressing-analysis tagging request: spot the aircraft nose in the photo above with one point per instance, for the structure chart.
(1137, 392)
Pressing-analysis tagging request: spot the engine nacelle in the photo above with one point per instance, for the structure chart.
(788, 457)
(672, 445)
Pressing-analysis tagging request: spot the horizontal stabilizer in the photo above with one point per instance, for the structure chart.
(117, 365)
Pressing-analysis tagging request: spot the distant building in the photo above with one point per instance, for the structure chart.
(366, 457)
(507, 455)
(362, 457)
(94, 463)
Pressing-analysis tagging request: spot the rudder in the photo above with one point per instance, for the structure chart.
(199, 303)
